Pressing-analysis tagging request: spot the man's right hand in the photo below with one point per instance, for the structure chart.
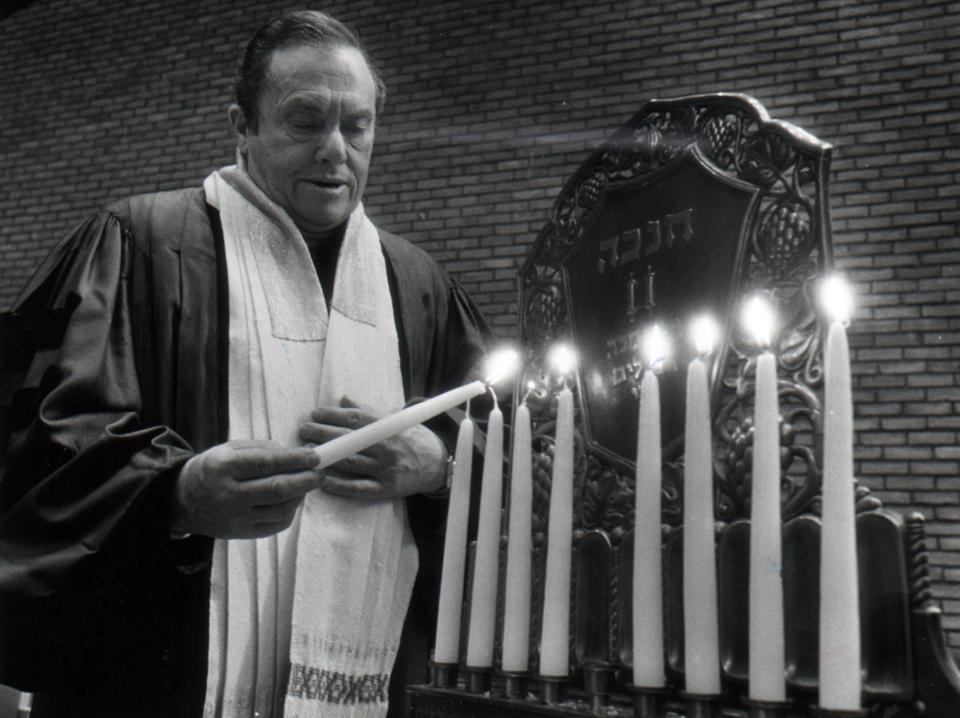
(242, 489)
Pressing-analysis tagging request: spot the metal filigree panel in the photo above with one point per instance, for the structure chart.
(692, 204)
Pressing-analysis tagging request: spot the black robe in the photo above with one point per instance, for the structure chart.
(113, 375)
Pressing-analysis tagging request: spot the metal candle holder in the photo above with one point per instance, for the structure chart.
(443, 675)
(478, 679)
(702, 705)
(648, 702)
(834, 713)
(515, 684)
(768, 709)
(553, 690)
(596, 682)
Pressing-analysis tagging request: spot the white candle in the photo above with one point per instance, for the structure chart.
(840, 680)
(516, 615)
(447, 646)
(700, 617)
(366, 436)
(555, 636)
(648, 669)
(499, 365)
(483, 601)
(766, 648)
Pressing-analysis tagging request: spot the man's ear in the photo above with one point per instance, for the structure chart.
(238, 122)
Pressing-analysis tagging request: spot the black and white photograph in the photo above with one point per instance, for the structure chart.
(469, 359)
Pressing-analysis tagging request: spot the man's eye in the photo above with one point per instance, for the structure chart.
(356, 128)
(305, 126)
(303, 123)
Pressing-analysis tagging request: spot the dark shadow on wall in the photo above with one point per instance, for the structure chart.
(8, 7)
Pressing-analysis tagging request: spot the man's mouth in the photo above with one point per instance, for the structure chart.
(327, 184)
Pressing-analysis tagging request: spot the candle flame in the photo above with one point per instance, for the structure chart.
(501, 364)
(758, 318)
(656, 346)
(704, 332)
(563, 359)
(836, 296)
(531, 387)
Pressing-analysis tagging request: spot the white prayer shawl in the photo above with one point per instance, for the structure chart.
(307, 622)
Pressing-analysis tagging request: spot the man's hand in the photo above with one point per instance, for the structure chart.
(242, 489)
(413, 462)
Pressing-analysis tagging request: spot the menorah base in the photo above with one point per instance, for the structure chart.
(553, 689)
(702, 705)
(430, 702)
(515, 684)
(768, 709)
(596, 683)
(478, 679)
(443, 675)
(647, 702)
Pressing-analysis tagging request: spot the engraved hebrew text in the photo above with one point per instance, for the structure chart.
(640, 242)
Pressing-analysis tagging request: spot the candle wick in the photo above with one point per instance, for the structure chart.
(496, 404)
(468, 408)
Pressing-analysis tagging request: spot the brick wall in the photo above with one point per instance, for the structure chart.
(493, 104)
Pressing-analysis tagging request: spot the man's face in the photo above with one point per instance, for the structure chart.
(311, 151)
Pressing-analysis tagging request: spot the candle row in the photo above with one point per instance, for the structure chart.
(554, 660)
(839, 635)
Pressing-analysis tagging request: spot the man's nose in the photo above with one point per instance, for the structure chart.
(332, 148)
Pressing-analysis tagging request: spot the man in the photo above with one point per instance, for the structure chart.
(167, 545)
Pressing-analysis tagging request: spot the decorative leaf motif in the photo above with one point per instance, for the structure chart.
(546, 312)
(672, 491)
(767, 159)
(542, 471)
(784, 236)
(589, 192)
(799, 346)
(607, 500)
(717, 139)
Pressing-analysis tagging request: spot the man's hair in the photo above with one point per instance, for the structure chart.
(301, 27)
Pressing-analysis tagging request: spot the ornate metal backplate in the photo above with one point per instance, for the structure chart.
(693, 204)
(661, 248)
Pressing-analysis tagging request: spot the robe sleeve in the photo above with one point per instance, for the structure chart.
(84, 494)
(460, 341)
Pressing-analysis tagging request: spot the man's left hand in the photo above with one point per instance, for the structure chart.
(413, 462)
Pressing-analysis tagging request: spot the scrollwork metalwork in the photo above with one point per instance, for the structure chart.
(606, 500)
(785, 256)
(784, 250)
(918, 562)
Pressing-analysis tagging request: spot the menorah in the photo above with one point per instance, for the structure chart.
(696, 203)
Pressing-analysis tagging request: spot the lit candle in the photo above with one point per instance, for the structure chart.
(447, 646)
(648, 668)
(555, 635)
(766, 650)
(516, 614)
(701, 649)
(840, 681)
(483, 601)
(500, 364)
